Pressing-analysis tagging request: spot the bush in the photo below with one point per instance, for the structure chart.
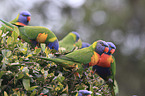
(22, 73)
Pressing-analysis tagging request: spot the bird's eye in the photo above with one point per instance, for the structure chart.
(101, 43)
(23, 15)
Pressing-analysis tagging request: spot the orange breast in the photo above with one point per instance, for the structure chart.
(94, 59)
(105, 60)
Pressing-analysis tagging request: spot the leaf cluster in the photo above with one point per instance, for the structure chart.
(22, 73)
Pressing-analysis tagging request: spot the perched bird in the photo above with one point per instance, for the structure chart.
(84, 93)
(22, 19)
(35, 35)
(85, 44)
(82, 58)
(69, 43)
(106, 68)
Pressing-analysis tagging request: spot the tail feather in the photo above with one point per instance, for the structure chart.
(64, 63)
(113, 87)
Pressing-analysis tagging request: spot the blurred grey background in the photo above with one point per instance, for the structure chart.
(119, 21)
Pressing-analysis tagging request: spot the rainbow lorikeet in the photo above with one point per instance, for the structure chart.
(106, 68)
(84, 93)
(22, 19)
(70, 42)
(81, 58)
(34, 35)
(85, 44)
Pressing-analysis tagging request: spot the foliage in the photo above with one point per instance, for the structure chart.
(21, 73)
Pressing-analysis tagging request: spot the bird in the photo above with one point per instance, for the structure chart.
(34, 35)
(84, 93)
(22, 19)
(106, 67)
(70, 42)
(85, 44)
(82, 58)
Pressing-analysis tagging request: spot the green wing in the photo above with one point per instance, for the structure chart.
(82, 55)
(79, 43)
(67, 44)
(113, 68)
(31, 32)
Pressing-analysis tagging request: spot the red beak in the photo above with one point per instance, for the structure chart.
(28, 18)
(106, 49)
(112, 51)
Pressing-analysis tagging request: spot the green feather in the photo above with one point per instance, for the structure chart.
(31, 32)
(68, 43)
(113, 68)
(113, 86)
(79, 43)
(62, 62)
(78, 57)
(81, 55)
(15, 20)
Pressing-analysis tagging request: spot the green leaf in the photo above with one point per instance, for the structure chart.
(47, 51)
(9, 40)
(23, 48)
(60, 85)
(32, 88)
(60, 78)
(65, 89)
(17, 63)
(45, 91)
(6, 53)
(15, 34)
(33, 93)
(25, 70)
(5, 93)
(26, 84)
(20, 76)
(45, 74)
(37, 51)
(43, 46)
(50, 75)
(0, 33)
(9, 53)
(17, 30)
(5, 61)
(1, 73)
(0, 83)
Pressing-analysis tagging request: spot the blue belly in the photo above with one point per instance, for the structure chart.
(103, 72)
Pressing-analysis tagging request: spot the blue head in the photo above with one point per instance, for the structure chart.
(54, 45)
(101, 47)
(84, 93)
(85, 44)
(112, 48)
(77, 35)
(24, 17)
